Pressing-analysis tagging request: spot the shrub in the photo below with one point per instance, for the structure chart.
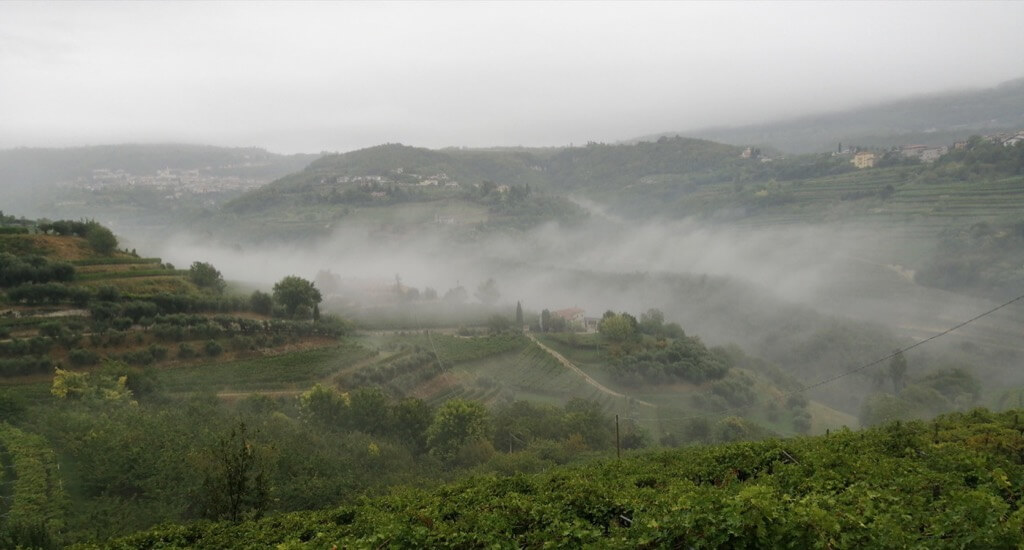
(83, 357)
(212, 348)
(186, 351)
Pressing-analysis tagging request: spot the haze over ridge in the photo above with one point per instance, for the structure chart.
(312, 77)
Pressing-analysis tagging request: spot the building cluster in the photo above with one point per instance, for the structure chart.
(400, 177)
(176, 183)
(862, 158)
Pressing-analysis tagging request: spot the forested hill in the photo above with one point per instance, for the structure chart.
(592, 165)
(954, 482)
(938, 119)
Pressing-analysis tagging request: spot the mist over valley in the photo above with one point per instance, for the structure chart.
(403, 275)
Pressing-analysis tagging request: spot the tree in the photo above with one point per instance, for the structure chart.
(519, 316)
(898, 371)
(457, 295)
(497, 323)
(545, 320)
(324, 407)
(369, 411)
(235, 486)
(100, 238)
(261, 302)
(487, 292)
(617, 328)
(652, 322)
(293, 292)
(412, 418)
(457, 423)
(204, 275)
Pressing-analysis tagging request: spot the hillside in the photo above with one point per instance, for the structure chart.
(950, 483)
(66, 303)
(937, 119)
(134, 183)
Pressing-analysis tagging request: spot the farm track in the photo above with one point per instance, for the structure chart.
(586, 377)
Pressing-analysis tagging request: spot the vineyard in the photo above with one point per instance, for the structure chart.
(33, 501)
(953, 482)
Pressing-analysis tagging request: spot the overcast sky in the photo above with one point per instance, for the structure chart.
(296, 77)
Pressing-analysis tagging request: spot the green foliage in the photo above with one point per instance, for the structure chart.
(324, 407)
(294, 292)
(107, 388)
(213, 348)
(523, 425)
(48, 293)
(12, 405)
(618, 328)
(938, 392)
(261, 302)
(206, 276)
(456, 424)
(34, 506)
(235, 485)
(686, 358)
(17, 270)
(100, 239)
(953, 483)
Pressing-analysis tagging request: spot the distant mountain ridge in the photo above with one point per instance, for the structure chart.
(934, 119)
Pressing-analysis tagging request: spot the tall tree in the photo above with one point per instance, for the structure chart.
(235, 485)
(293, 292)
(204, 275)
(898, 371)
(519, 316)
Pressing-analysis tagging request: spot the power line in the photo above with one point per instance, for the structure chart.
(854, 370)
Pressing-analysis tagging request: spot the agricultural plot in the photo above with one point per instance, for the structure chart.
(287, 372)
(30, 484)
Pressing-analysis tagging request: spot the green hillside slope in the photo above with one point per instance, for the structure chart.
(951, 483)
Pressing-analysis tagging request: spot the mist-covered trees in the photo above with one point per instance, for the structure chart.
(686, 359)
(618, 328)
(206, 276)
(261, 302)
(937, 392)
(294, 293)
(898, 371)
(487, 292)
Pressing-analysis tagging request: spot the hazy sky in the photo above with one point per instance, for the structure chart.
(319, 76)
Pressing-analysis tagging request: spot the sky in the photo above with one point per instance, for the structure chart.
(310, 77)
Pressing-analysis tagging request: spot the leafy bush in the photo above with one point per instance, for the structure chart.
(83, 357)
(212, 348)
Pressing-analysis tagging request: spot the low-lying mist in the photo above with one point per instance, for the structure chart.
(767, 289)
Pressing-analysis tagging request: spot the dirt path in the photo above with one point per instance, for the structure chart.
(569, 365)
